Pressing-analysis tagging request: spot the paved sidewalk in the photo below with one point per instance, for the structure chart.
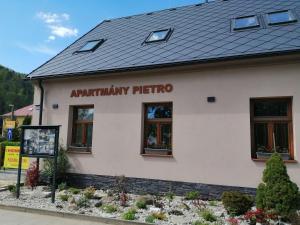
(21, 218)
(8, 177)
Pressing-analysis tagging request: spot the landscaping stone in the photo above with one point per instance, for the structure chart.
(178, 211)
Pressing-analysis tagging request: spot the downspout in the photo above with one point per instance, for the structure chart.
(41, 102)
(40, 116)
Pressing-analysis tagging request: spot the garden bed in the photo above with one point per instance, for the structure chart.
(164, 210)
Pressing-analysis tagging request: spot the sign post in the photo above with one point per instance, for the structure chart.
(39, 142)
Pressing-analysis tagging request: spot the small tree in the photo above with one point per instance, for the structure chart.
(277, 193)
(32, 176)
(27, 120)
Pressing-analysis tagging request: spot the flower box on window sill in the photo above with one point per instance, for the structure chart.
(157, 151)
(267, 155)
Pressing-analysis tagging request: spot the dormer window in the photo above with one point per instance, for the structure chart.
(281, 17)
(159, 35)
(90, 46)
(245, 22)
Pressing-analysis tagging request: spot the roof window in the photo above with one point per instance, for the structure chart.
(91, 46)
(281, 17)
(159, 35)
(245, 22)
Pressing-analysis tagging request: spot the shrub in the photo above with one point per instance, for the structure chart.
(159, 215)
(258, 216)
(109, 208)
(27, 120)
(120, 184)
(16, 134)
(192, 195)
(64, 198)
(233, 221)
(74, 191)
(141, 204)
(12, 189)
(123, 199)
(129, 215)
(170, 195)
(62, 166)
(237, 203)
(89, 192)
(277, 192)
(213, 203)
(150, 219)
(62, 186)
(208, 215)
(32, 176)
(82, 202)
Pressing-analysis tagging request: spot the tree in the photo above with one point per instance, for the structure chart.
(277, 193)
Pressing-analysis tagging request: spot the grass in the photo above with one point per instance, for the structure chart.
(74, 191)
(129, 215)
(109, 208)
(64, 198)
(208, 215)
(159, 215)
(150, 219)
(192, 195)
(141, 204)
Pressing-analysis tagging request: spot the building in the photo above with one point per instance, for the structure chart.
(185, 98)
(19, 116)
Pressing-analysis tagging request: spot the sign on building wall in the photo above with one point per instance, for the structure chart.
(11, 158)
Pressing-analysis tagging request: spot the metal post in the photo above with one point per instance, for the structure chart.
(40, 118)
(19, 176)
(55, 164)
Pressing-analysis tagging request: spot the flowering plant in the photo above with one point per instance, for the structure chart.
(233, 221)
(32, 176)
(259, 216)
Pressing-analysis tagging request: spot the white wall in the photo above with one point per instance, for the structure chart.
(211, 141)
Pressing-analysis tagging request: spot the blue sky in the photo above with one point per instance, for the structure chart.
(33, 31)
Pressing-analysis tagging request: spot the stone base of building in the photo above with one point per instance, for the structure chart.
(152, 186)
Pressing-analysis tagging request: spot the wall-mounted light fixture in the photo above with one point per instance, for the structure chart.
(211, 99)
(54, 106)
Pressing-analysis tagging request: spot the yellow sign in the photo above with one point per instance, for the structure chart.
(11, 158)
(8, 124)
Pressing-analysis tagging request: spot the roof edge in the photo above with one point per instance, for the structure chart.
(166, 65)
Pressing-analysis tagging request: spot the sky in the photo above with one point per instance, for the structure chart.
(33, 31)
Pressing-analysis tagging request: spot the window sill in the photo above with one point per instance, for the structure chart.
(79, 150)
(285, 161)
(157, 155)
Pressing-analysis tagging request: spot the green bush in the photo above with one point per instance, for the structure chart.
(129, 215)
(277, 193)
(170, 195)
(62, 166)
(150, 219)
(9, 143)
(62, 186)
(74, 191)
(64, 197)
(141, 204)
(83, 202)
(237, 203)
(208, 215)
(16, 134)
(109, 208)
(12, 189)
(192, 195)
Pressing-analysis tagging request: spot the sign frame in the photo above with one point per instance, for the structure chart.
(53, 157)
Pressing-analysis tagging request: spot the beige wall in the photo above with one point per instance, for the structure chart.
(211, 141)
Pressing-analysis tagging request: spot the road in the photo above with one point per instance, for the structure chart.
(21, 218)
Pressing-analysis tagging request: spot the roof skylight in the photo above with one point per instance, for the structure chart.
(159, 35)
(91, 45)
(281, 17)
(245, 22)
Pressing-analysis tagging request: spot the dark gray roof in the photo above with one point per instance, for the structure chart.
(201, 32)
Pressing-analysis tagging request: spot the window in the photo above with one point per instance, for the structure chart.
(91, 46)
(245, 22)
(159, 35)
(271, 127)
(280, 17)
(158, 128)
(82, 129)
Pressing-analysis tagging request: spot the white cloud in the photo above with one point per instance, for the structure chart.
(61, 31)
(40, 48)
(55, 23)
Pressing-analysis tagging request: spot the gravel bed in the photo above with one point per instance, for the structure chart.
(40, 198)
